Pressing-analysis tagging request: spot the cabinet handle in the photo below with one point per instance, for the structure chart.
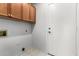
(8, 14)
(11, 15)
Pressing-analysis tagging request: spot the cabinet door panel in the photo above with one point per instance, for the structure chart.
(26, 12)
(16, 10)
(3, 9)
(32, 13)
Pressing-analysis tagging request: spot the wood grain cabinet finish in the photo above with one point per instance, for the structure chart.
(26, 12)
(3, 9)
(22, 11)
(16, 10)
(32, 13)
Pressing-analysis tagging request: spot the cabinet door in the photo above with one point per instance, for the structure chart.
(32, 13)
(26, 12)
(16, 10)
(3, 9)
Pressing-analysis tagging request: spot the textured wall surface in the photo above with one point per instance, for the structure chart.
(17, 37)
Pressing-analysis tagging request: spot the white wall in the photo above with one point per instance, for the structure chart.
(14, 28)
(17, 37)
(77, 29)
(40, 28)
(12, 46)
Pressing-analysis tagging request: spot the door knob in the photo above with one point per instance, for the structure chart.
(49, 28)
(49, 32)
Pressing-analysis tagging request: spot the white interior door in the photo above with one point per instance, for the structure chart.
(62, 28)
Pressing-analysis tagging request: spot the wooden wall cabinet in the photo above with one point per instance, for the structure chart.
(22, 11)
(29, 12)
(32, 13)
(26, 12)
(3, 9)
(16, 10)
